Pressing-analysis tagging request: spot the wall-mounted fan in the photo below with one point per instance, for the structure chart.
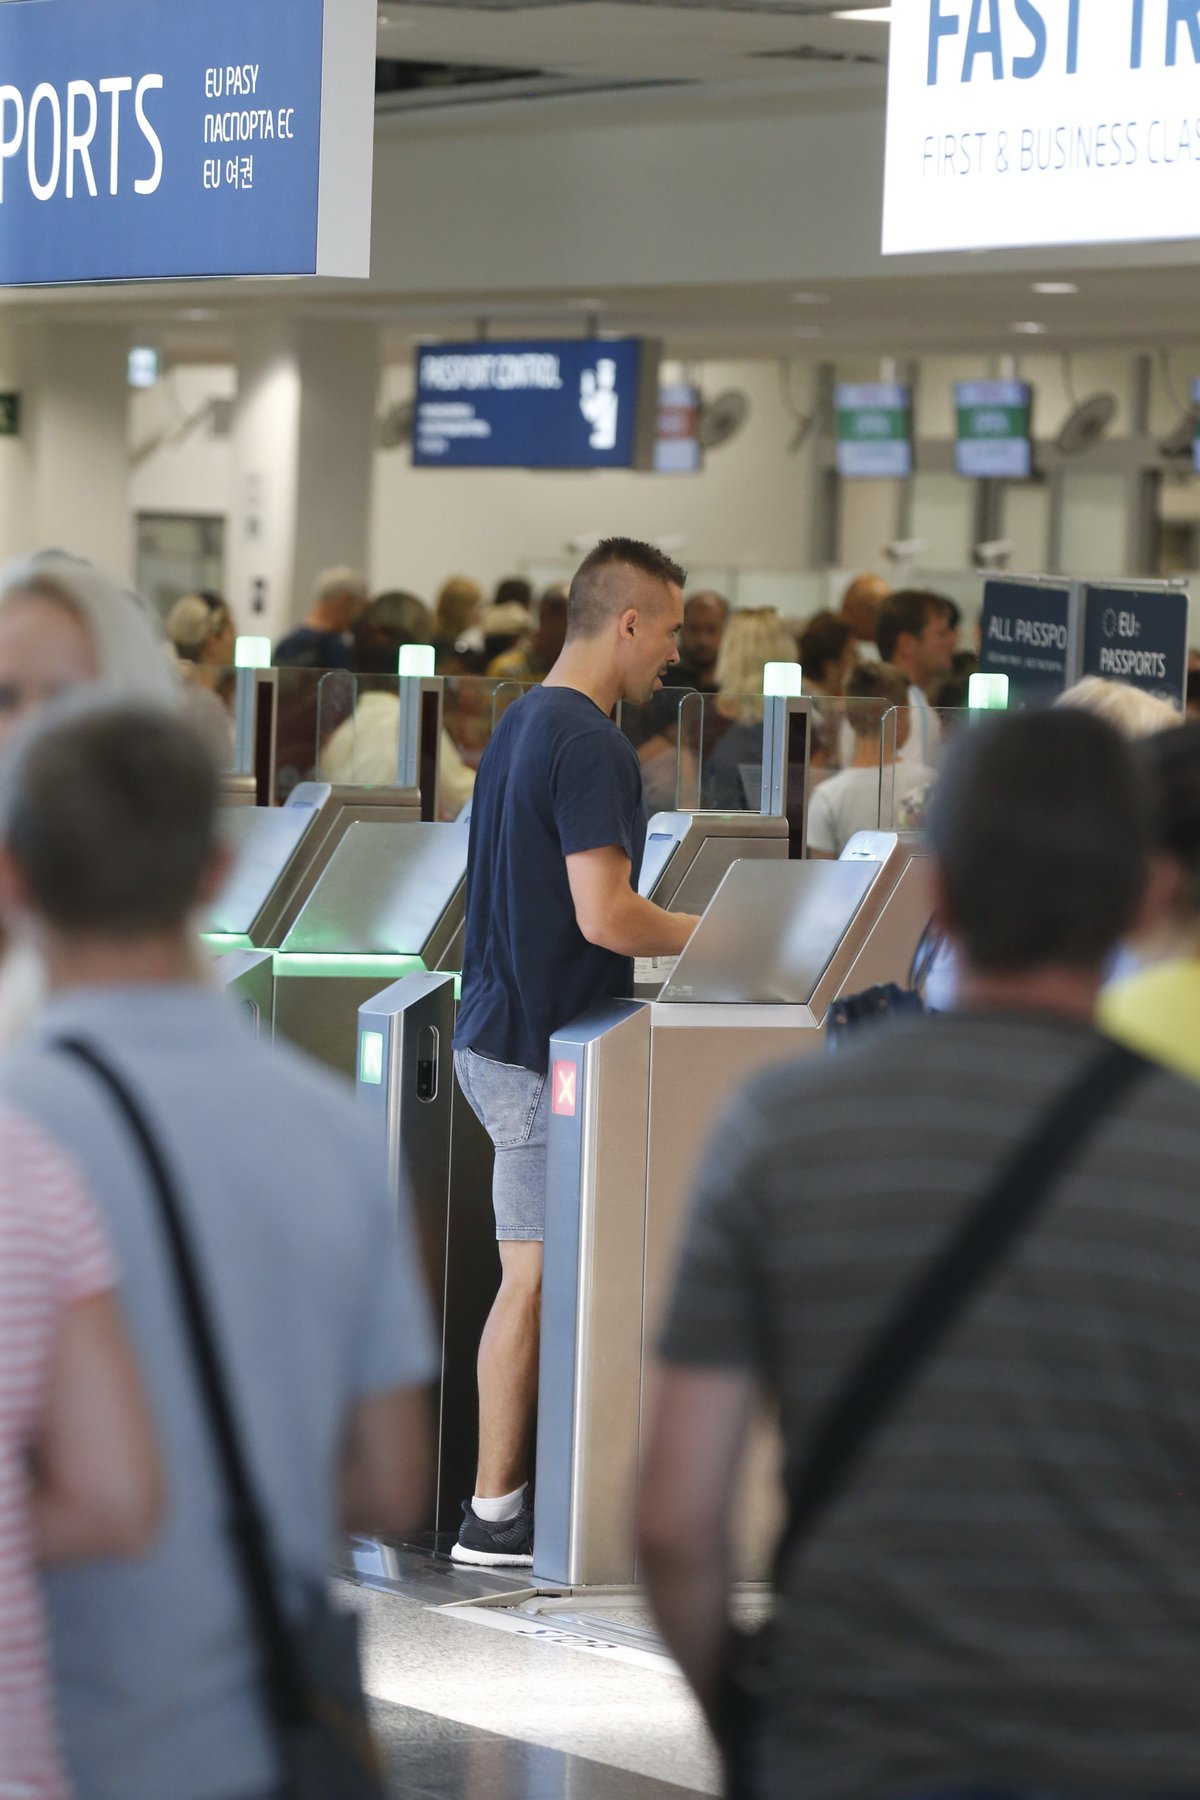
(722, 418)
(1088, 420)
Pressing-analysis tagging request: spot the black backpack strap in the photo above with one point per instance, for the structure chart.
(897, 1353)
(285, 1684)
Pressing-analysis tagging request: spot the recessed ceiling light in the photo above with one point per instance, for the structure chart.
(1055, 287)
(807, 299)
(874, 15)
(198, 315)
(1029, 328)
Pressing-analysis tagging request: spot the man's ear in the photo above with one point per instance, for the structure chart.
(215, 874)
(14, 891)
(627, 623)
(943, 911)
(1160, 897)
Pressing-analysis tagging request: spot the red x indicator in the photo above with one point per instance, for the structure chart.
(566, 1079)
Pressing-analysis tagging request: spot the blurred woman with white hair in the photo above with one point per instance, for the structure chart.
(65, 624)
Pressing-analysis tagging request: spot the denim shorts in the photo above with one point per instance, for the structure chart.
(512, 1104)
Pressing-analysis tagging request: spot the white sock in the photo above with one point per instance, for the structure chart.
(504, 1506)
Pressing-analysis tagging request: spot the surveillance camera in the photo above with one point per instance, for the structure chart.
(904, 550)
(992, 555)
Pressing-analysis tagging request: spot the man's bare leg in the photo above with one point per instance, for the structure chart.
(508, 1371)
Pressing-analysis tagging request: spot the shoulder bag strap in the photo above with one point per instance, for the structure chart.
(896, 1355)
(286, 1688)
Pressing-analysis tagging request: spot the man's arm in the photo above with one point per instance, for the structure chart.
(613, 916)
(700, 1423)
(387, 1463)
(97, 1484)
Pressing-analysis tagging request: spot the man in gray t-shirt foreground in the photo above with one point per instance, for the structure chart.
(106, 846)
(1006, 1594)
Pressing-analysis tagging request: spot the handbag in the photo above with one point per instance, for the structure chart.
(889, 1000)
(312, 1683)
(889, 1365)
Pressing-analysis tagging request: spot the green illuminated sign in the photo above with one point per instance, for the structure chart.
(370, 1057)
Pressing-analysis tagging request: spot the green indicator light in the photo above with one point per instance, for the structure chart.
(417, 659)
(314, 964)
(370, 1057)
(226, 940)
(252, 653)
(458, 987)
(782, 678)
(988, 693)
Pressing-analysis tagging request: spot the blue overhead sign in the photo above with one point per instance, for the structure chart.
(141, 140)
(553, 404)
(1138, 636)
(1027, 634)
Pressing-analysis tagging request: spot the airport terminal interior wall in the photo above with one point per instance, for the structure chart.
(755, 507)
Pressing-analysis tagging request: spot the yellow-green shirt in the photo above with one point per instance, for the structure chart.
(1158, 1013)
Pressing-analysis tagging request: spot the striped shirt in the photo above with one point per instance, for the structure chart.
(1007, 1594)
(52, 1255)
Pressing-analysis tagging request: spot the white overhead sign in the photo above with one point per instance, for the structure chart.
(1024, 122)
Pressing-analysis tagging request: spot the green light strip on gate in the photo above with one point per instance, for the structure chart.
(226, 940)
(310, 964)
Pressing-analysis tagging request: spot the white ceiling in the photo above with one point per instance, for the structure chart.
(632, 41)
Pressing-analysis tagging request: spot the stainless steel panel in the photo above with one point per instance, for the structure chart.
(247, 978)
(319, 1013)
(592, 1352)
(385, 892)
(770, 933)
(440, 1162)
(347, 806)
(264, 841)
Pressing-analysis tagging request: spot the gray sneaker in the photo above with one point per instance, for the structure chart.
(505, 1544)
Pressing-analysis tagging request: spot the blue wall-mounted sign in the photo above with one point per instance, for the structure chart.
(142, 139)
(573, 403)
(1028, 634)
(1138, 636)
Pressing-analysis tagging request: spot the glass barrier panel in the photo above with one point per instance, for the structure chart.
(208, 701)
(297, 740)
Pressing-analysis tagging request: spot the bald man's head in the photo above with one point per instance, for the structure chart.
(862, 603)
(704, 619)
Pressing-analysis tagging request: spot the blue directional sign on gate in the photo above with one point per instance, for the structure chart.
(142, 139)
(1027, 635)
(1138, 636)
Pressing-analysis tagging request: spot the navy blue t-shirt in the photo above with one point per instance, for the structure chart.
(557, 778)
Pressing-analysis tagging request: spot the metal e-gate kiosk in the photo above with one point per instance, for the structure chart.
(390, 903)
(439, 1155)
(636, 1089)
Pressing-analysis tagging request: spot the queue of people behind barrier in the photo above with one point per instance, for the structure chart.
(1056, 843)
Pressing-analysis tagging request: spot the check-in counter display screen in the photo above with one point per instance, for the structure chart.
(771, 932)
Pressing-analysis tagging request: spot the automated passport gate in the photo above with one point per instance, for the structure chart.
(636, 1089)
(390, 903)
(280, 852)
(440, 1161)
(687, 856)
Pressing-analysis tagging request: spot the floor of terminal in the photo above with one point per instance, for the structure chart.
(484, 1689)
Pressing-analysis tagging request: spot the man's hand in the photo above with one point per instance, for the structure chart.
(611, 915)
(700, 1418)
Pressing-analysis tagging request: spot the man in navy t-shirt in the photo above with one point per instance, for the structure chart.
(554, 920)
